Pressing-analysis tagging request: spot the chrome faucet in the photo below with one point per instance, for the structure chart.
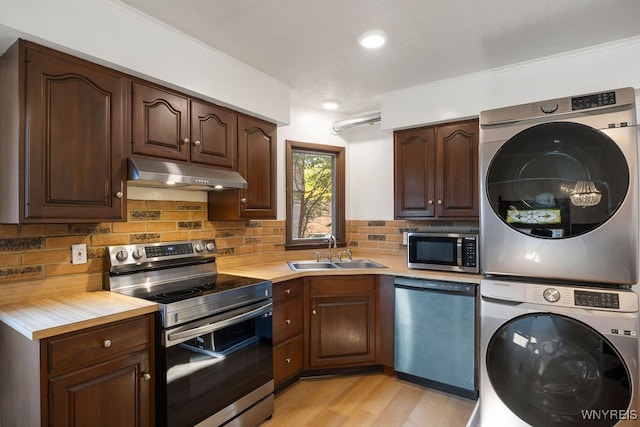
(335, 245)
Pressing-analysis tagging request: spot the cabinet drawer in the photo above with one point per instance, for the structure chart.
(287, 359)
(341, 285)
(289, 289)
(98, 343)
(287, 319)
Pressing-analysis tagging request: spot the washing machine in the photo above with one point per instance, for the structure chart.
(558, 182)
(558, 355)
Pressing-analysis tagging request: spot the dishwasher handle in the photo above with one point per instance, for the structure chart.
(441, 286)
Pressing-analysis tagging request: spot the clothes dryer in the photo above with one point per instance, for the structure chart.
(557, 355)
(558, 183)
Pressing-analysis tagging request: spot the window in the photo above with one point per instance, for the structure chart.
(315, 194)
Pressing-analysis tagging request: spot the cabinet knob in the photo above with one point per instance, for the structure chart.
(119, 194)
(287, 291)
(287, 321)
(185, 141)
(145, 376)
(288, 360)
(439, 202)
(314, 311)
(243, 200)
(106, 343)
(196, 143)
(430, 202)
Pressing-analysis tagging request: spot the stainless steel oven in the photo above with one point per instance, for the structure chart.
(215, 363)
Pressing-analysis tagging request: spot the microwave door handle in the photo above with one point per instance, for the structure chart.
(210, 327)
(459, 251)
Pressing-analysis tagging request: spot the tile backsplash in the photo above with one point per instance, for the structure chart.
(41, 253)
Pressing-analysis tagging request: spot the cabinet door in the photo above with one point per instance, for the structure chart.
(457, 154)
(257, 164)
(342, 330)
(75, 121)
(160, 123)
(114, 393)
(213, 135)
(415, 173)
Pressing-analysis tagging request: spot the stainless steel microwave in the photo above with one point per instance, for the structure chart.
(456, 252)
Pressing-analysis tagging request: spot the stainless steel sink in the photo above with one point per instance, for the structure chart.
(310, 265)
(359, 263)
(325, 265)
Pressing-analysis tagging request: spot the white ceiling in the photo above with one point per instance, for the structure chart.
(311, 44)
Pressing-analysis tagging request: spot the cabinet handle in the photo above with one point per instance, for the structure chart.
(119, 194)
(287, 291)
(243, 200)
(287, 321)
(288, 360)
(106, 343)
(185, 141)
(430, 202)
(146, 376)
(439, 202)
(196, 143)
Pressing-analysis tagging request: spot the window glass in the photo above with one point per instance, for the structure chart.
(315, 194)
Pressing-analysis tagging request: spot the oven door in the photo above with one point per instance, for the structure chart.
(219, 368)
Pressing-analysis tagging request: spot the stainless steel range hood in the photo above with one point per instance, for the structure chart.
(144, 172)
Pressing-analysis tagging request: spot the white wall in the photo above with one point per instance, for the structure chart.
(113, 34)
(369, 161)
(599, 68)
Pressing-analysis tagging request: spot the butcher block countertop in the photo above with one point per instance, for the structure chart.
(49, 316)
(46, 317)
(274, 267)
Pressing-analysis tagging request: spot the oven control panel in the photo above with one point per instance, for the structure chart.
(127, 255)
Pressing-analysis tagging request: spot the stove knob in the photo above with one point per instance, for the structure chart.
(211, 247)
(551, 295)
(137, 254)
(122, 255)
(199, 247)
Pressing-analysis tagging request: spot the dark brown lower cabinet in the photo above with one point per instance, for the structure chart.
(288, 328)
(108, 394)
(342, 327)
(102, 376)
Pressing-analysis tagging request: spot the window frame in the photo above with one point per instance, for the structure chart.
(338, 196)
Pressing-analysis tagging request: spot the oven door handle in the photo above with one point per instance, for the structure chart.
(210, 327)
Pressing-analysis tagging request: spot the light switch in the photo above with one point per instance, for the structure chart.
(79, 253)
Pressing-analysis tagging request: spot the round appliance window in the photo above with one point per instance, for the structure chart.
(552, 370)
(557, 180)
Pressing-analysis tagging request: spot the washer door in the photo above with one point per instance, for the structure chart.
(557, 180)
(552, 370)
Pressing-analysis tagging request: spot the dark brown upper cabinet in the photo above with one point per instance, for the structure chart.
(257, 164)
(172, 126)
(68, 117)
(436, 171)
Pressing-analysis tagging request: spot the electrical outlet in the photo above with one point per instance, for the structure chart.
(405, 238)
(79, 254)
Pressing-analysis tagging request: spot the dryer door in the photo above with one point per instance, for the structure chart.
(550, 369)
(557, 180)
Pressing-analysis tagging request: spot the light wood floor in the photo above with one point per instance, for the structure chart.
(367, 400)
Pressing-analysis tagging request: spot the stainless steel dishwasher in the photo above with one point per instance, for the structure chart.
(435, 335)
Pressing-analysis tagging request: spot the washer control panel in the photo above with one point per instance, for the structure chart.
(596, 299)
(579, 297)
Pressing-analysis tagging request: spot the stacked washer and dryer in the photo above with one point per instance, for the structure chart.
(559, 244)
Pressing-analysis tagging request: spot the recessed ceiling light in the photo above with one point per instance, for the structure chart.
(330, 105)
(372, 39)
